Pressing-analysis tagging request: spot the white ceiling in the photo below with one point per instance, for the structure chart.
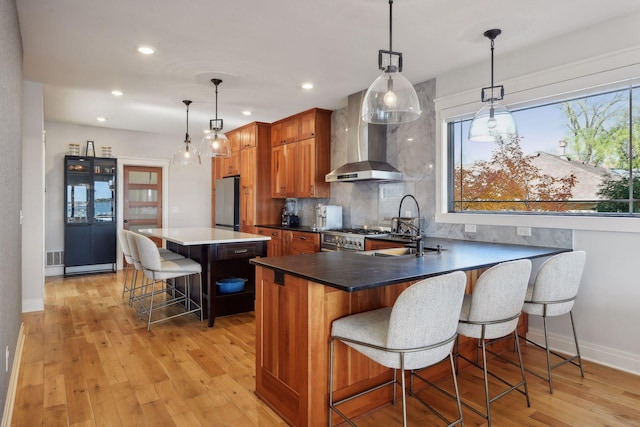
(262, 50)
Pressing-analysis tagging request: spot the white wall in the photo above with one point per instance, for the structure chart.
(606, 309)
(189, 187)
(33, 153)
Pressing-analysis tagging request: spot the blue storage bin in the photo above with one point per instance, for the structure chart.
(230, 285)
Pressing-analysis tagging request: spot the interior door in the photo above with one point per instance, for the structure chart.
(142, 198)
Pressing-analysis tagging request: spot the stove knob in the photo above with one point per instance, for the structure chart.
(359, 244)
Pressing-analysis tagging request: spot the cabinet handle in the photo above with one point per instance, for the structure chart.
(240, 251)
(274, 234)
(303, 238)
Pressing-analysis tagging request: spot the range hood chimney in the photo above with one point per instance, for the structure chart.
(366, 149)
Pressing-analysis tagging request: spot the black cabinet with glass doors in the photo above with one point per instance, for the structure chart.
(90, 226)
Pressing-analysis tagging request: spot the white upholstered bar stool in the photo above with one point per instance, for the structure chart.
(491, 311)
(417, 332)
(552, 294)
(157, 270)
(126, 252)
(165, 254)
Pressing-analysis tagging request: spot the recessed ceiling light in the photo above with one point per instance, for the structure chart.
(101, 119)
(307, 86)
(146, 50)
(247, 113)
(117, 92)
(409, 139)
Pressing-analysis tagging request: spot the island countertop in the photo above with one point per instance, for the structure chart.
(188, 236)
(353, 271)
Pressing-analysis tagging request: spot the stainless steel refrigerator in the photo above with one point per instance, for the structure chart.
(228, 203)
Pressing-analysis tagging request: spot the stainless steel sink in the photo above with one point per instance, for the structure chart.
(390, 252)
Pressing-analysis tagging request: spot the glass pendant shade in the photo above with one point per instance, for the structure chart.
(186, 155)
(215, 144)
(390, 99)
(493, 121)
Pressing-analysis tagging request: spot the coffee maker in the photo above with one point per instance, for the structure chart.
(289, 217)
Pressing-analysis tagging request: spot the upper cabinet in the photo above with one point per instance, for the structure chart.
(285, 131)
(307, 125)
(230, 166)
(251, 159)
(301, 155)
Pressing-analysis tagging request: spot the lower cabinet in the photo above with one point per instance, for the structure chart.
(290, 242)
(89, 245)
(300, 242)
(274, 246)
(374, 245)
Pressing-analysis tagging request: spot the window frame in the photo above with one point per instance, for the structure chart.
(598, 74)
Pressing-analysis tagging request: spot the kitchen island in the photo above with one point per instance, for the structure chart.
(297, 298)
(222, 254)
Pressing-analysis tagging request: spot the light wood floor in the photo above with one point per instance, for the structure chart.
(89, 361)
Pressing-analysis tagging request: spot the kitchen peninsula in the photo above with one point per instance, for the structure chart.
(297, 298)
(222, 254)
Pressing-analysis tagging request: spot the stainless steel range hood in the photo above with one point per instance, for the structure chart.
(366, 149)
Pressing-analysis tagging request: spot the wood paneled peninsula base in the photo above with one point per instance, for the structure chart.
(297, 298)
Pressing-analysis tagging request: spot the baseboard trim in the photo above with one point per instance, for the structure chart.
(13, 381)
(607, 356)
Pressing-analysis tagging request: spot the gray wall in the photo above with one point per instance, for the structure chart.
(10, 186)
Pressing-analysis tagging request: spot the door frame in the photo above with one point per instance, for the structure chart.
(132, 161)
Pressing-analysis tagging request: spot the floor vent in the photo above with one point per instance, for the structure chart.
(55, 258)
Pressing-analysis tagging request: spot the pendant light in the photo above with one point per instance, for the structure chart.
(215, 143)
(391, 98)
(187, 153)
(494, 120)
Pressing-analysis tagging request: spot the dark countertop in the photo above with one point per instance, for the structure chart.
(352, 271)
(304, 228)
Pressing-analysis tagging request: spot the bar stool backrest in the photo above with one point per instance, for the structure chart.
(149, 254)
(124, 245)
(133, 248)
(426, 314)
(558, 279)
(499, 294)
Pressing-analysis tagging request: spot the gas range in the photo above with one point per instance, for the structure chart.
(348, 239)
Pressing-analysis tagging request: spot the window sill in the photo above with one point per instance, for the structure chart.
(617, 224)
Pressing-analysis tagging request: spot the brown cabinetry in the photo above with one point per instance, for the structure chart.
(300, 163)
(248, 158)
(374, 245)
(283, 167)
(275, 245)
(252, 161)
(307, 125)
(301, 242)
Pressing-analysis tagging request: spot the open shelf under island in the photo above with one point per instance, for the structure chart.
(298, 297)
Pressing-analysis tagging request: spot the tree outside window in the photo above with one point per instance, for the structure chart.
(575, 156)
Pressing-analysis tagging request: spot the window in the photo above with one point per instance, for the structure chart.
(571, 157)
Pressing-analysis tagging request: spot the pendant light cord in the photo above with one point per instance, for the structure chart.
(390, 31)
(186, 135)
(216, 103)
(492, 94)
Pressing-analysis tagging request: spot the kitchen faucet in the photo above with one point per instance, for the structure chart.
(418, 239)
